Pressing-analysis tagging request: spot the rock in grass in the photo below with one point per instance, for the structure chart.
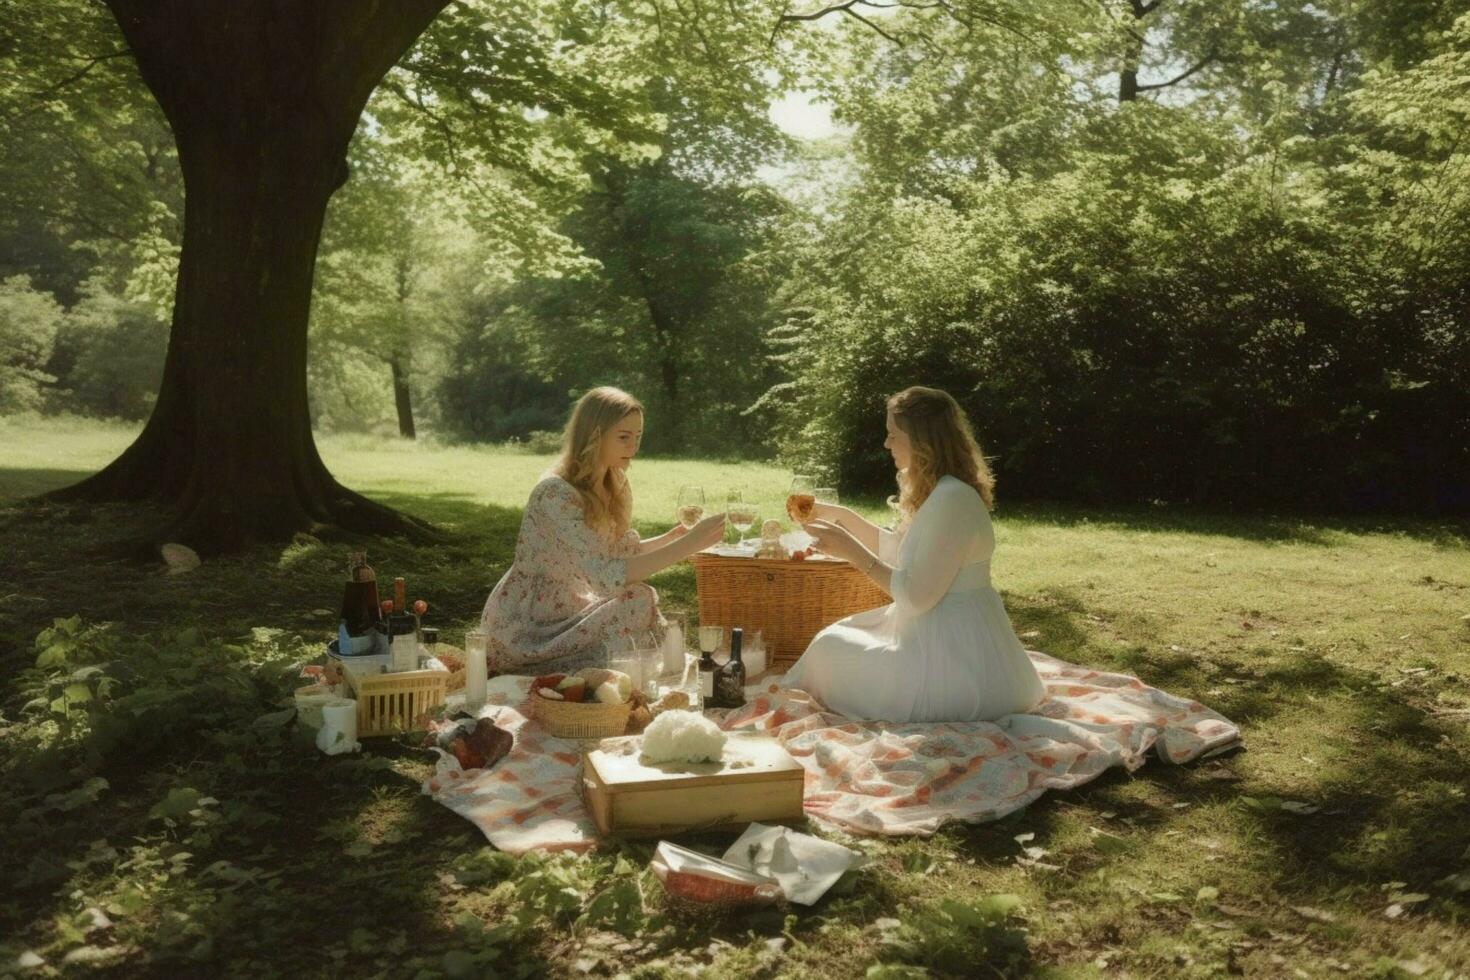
(179, 558)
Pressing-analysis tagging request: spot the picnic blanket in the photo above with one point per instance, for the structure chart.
(864, 777)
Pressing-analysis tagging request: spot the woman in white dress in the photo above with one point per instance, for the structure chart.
(577, 585)
(944, 649)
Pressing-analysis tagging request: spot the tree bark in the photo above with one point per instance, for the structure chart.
(263, 97)
(401, 399)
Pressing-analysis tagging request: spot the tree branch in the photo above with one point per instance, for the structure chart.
(1179, 77)
(847, 6)
(37, 99)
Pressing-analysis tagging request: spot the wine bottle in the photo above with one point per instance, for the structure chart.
(400, 594)
(707, 667)
(730, 681)
(360, 612)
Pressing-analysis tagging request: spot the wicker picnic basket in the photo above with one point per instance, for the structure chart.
(580, 719)
(788, 601)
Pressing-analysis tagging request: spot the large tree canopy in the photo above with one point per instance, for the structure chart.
(263, 99)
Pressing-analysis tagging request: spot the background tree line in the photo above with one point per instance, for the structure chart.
(1176, 249)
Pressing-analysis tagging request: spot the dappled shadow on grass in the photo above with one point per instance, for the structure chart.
(311, 864)
(19, 484)
(1390, 807)
(58, 560)
(1310, 529)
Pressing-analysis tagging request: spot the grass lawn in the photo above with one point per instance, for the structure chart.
(161, 819)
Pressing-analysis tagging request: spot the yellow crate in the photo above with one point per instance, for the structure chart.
(388, 704)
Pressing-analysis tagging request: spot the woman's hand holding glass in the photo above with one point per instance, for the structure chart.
(832, 513)
(833, 539)
(709, 532)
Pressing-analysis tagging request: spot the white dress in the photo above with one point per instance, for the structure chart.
(944, 649)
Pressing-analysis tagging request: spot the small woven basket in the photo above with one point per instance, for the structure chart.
(788, 601)
(580, 719)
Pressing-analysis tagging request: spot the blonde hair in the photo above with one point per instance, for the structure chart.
(607, 499)
(942, 444)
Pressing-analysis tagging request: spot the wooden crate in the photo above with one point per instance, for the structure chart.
(388, 704)
(788, 601)
(756, 780)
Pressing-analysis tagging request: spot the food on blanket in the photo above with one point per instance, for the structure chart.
(672, 700)
(552, 693)
(475, 743)
(451, 661)
(609, 692)
(550, 680)
(598, 676)
(639, 718)
(683, 736)
(800, 555)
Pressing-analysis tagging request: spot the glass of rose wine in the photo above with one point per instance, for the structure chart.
(691, 505)
(800, 500)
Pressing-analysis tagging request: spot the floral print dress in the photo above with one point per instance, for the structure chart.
(566, 599)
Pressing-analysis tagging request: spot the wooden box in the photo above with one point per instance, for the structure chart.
(788, 601)
(756, 780)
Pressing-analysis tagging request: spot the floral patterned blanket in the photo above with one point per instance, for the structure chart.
(864, 777)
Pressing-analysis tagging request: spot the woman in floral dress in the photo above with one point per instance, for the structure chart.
(576, 587)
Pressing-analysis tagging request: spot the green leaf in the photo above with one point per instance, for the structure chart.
(275, 719)
(83, 795)
(53, 656)
(177, 805)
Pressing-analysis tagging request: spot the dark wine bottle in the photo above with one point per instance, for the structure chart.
(707, 670)
(730, 680)
(360, 611)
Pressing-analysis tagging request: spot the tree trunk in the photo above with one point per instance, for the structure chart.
(263, 97)
(1128, 85)
(401, 399)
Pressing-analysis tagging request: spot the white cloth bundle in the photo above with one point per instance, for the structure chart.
(338, 733)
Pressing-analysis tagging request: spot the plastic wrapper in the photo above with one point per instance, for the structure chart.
(697, 877)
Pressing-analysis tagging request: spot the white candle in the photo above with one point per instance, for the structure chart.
(674, 649)
(475, 668)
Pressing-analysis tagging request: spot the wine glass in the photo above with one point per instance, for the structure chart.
(740, 514)
(624, 654)
(800, 500)
(691, 505)
(650, 661)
